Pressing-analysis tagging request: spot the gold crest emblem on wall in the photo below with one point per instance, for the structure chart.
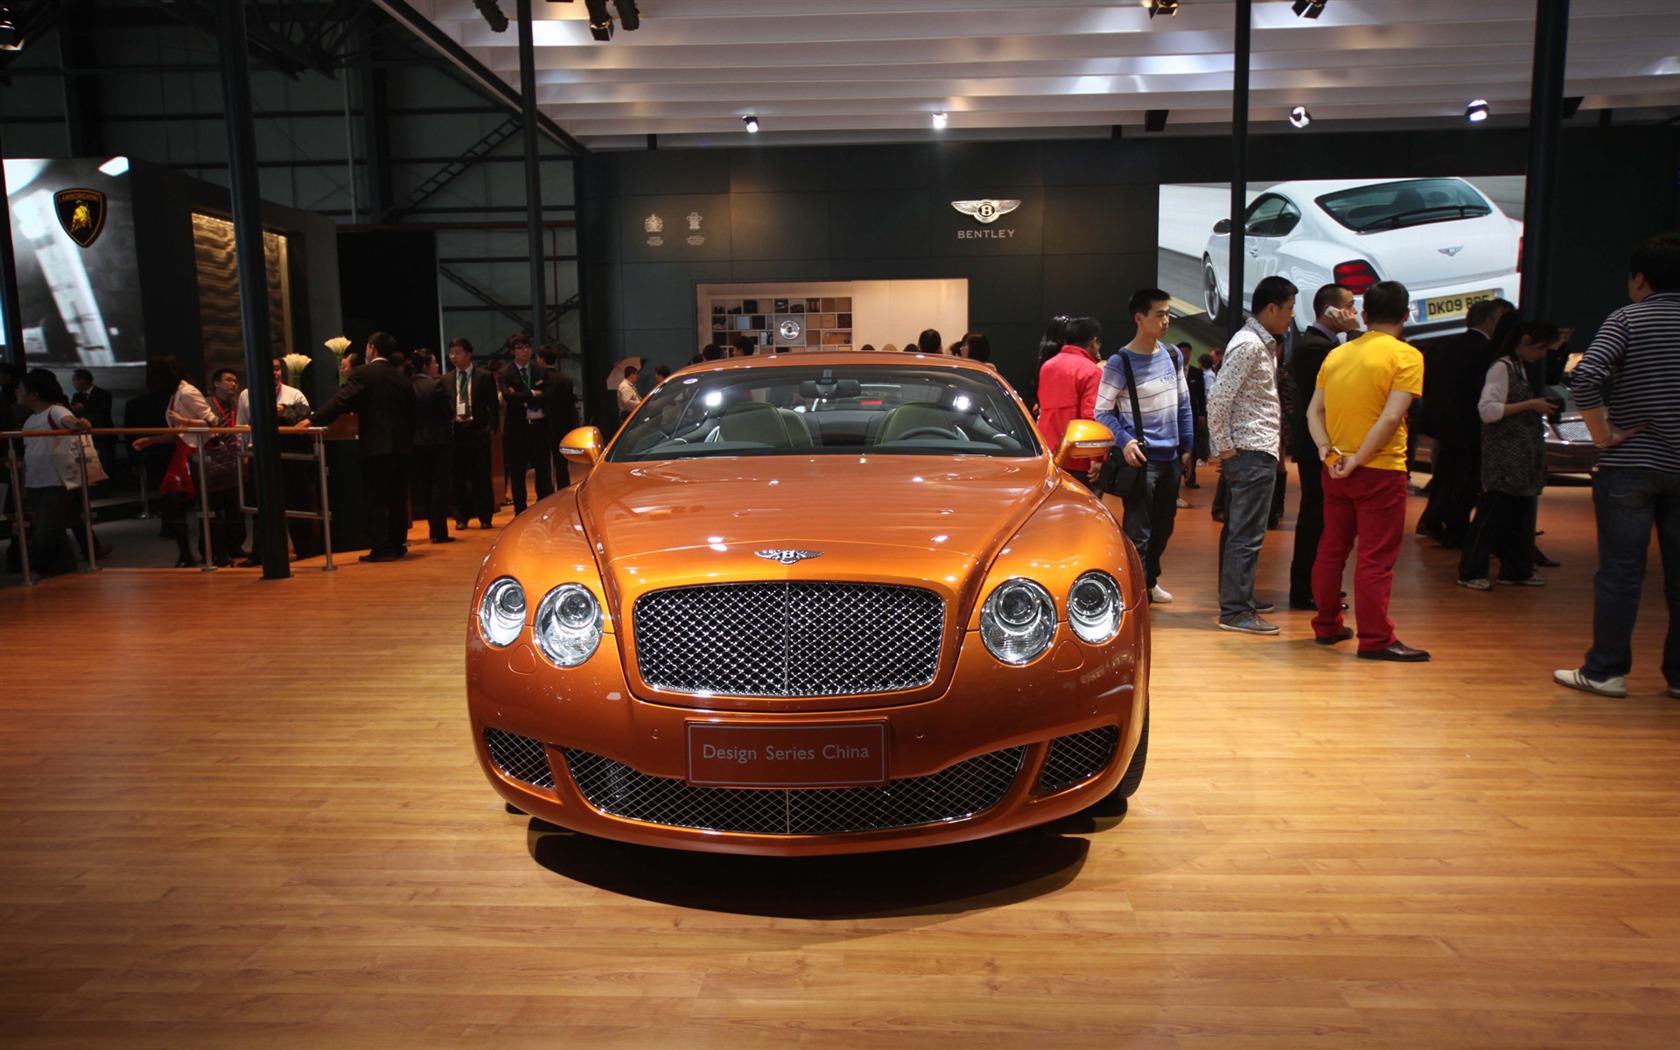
(81, 213)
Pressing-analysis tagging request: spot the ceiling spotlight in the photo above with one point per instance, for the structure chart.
(493, 16)
(1299, 117)
(751, 124)
(1476, 111)
(1163, 7)
(600, 20)
(940, 120)
(1309, 8)
(628, 14)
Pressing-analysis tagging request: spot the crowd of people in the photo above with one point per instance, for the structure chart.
(1346, 401)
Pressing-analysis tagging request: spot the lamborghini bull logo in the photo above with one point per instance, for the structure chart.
(81, 213)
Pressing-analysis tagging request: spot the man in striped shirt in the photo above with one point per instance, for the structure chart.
(1637, 425)
(1168, 432)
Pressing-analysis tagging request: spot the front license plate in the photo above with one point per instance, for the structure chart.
(787, 756)
(1452, 307)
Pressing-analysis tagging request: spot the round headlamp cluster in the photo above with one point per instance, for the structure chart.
(568, 625)
(1018, 620)
(501, 615)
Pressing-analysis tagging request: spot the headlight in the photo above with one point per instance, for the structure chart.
(501, 615)
(1095, 607)
(1018, 622)
(568, 626)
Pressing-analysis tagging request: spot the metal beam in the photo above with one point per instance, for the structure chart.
(376, 126)
(453, 169)
(1241, 54)
(1545, 108)
(533, 172)
(489, 82)
(82, 117)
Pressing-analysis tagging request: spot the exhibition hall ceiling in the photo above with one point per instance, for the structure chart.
(878, 70)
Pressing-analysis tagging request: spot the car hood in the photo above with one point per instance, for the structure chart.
(908, 518)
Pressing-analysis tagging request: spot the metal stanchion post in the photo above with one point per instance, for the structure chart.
(209, 552)
(17, 512)
(87, 507)
(326, 507)
(145, 489)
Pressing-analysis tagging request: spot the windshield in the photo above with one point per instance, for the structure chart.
(1394, 205)
(827, 410)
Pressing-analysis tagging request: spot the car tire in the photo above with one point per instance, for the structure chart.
(1212, 302)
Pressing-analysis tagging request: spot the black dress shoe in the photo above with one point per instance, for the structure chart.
(1303, 604)
(1399, 652)
(443, 539)
(484, 523)
(1544, 562)
(380, 556)
(1340, 636)
(461, 525)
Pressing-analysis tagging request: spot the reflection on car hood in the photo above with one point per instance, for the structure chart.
(872, 517)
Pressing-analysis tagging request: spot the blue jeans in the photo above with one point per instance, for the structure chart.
(1149, 515)
(1250, 476)
(1628, 502)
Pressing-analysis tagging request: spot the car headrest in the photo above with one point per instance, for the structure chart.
(755, 422)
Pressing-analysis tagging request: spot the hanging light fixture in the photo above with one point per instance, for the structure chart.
(1163, 7)
(1309, 8)
(940, 120)
(1299, 117)
(1476, 111)
(751, 123)
(493, 16)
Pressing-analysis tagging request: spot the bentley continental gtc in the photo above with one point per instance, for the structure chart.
(814, 603)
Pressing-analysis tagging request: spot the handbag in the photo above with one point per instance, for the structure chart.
(69, 466)
(1119, 478)
(178, 479)
(221, 463)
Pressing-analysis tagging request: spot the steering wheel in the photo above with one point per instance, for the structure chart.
(944, 432)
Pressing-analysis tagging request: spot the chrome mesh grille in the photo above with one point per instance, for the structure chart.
(519, 757)
(793, 638)
(962, 791)
(1077, 758)
(1573, 430)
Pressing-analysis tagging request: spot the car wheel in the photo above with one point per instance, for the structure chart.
(1211, 301)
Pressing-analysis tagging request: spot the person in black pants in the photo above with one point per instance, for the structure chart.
(560, 405)
(474, 419)
(383, 397)
(526, 439)
(1334, 314)
(1453, 372)
(434, 475)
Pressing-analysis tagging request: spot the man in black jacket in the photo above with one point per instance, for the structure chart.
(434, 476)
(1333, 314)
(473, 392)
(560, 405)
(383, 400)
(526, 440)
(1453, 372)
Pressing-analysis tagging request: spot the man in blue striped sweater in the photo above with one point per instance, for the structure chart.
(1169, 429)
(1637, 424)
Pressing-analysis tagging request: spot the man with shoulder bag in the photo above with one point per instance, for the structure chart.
(1145, 401)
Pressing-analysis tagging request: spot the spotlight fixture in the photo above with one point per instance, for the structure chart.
(1163, 7)
(751, 124)
(1309, 8)
(629, 15)
(493, 15)
(1476, 111)
(1299, 117)
(1155, 120)
(600, 19)
(940, 120)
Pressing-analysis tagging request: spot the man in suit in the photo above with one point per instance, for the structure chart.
(1453, 372)
(93, 403)
(383, 399)
(473, 421)
(560, 405)
(1333, 314)
(434, 476)
(527, 442)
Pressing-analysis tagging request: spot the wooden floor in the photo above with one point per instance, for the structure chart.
(244, 814)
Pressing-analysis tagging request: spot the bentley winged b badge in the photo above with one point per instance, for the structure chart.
(787, 557)
(985, 210)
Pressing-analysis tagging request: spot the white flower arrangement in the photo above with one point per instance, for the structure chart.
(295, 364)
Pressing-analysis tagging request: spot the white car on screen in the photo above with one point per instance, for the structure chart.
(1442, 238)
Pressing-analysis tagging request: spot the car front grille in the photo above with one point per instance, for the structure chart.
(1077, 758)
(1573, 430)
(792, 638)
(964, 790)
(519, 757)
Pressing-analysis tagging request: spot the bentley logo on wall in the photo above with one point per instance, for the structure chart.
(81, 213)
(654, 226)
(787, 557)
(695, 237)
(986, 211)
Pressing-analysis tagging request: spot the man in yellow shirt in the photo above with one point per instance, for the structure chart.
(1358, 420)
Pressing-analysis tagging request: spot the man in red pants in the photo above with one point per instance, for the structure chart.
(1358, 420)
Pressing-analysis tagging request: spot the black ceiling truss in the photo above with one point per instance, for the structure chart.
(292, 36)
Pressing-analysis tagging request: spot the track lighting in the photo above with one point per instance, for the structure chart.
(629, 15)
(751, 124)
(1299, 117)
(1309, 8)
(493, 15)
(1163, 7)
(600, 20)
(1476, 111)
(940, 120)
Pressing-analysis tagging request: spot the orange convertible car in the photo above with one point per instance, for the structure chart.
(815, 603)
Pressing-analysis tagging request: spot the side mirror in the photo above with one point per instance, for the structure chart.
(582, 449)
(1084, 438)
(1222, 226)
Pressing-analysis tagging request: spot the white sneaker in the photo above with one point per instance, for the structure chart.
(1479, 584)
(1183, 504)
(1159, 595)
(1532, 581)
(1572, 677)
